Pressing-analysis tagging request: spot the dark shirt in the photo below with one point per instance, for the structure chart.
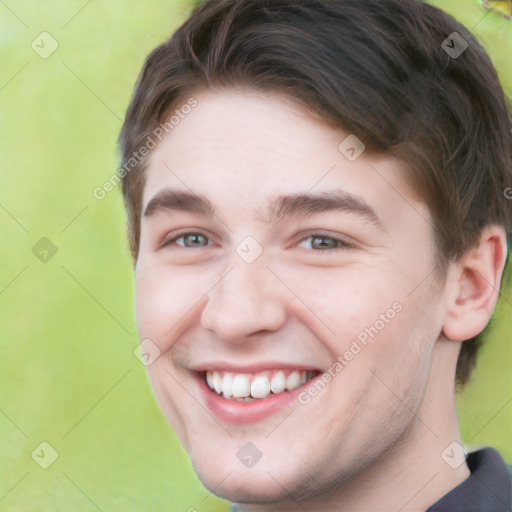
(487, 489)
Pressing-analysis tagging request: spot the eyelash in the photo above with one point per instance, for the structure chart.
(169, 241)
(342, 244)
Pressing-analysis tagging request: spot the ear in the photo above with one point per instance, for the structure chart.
(473, 285)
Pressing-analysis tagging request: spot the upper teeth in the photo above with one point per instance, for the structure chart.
(259, 385)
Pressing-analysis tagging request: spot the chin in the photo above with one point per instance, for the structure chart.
(248, 490)
(264, 483)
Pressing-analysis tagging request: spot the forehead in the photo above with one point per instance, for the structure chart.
(241, 149)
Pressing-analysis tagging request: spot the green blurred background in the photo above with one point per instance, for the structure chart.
(69, 375)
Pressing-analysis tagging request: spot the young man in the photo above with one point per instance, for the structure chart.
(318, 215)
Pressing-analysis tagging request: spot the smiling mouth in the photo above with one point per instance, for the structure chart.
(247, 387)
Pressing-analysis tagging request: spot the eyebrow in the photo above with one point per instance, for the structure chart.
(280, 207)
(310, 204)
(168, 200)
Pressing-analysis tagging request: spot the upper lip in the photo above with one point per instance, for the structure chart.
(252, 368)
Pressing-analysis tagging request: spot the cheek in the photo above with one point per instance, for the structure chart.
(171, 397)
(351, 302)
(164, 299)
(400, 356)
(370, 316)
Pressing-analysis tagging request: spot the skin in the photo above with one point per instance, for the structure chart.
(373, 438)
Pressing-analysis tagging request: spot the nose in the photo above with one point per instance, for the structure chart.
(247, 300)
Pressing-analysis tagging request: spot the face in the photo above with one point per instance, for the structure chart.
(296, 281)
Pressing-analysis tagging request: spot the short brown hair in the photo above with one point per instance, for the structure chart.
(375, 68)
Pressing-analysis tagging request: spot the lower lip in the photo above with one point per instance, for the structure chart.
(234, 411)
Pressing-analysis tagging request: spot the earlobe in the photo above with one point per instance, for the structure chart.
(473, 284)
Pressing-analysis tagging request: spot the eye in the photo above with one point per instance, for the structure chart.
(320, 242)
(188, 240)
